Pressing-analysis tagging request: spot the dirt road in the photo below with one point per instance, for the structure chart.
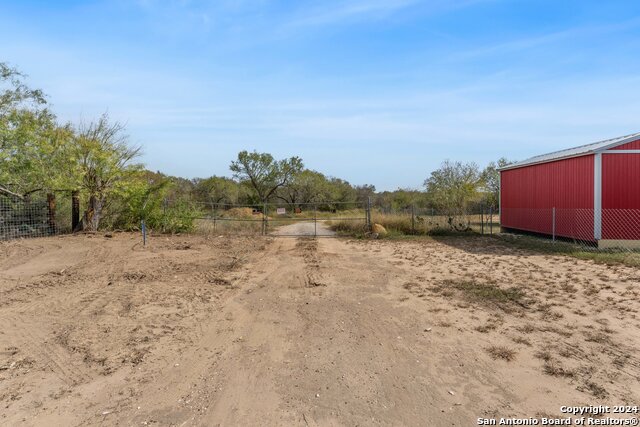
(227, 331)
(304, 228)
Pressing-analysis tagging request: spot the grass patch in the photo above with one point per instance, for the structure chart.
(399, 225)
(547, 246)
(483, 293)
(554, 369)
(500, 352)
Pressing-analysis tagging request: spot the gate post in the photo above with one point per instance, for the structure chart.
(315, 220)
(413, 219)
(264, 219)
(369, 213)
(490, 220)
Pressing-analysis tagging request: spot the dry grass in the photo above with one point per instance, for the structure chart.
(501, 352)
(483, 293)
(402, 224)
(553, 368)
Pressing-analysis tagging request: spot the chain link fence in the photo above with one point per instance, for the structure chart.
(414, 220)
(611, 229)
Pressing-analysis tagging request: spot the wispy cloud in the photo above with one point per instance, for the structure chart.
(525, 43)
(336, 12)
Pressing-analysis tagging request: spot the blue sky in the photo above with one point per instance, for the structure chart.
(372, 91)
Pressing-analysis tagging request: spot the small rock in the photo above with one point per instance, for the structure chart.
(106, 412)
(428, 330)
(317, 394)
(451, 393)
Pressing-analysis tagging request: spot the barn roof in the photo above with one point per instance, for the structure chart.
(582, 150)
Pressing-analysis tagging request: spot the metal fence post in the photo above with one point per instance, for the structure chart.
(264, 219)
(315, 220)
(413, 219)
(553, 219)
(369, 213)
(490, 220)
(482, 220)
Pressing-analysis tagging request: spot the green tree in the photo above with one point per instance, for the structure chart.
(453, 186)
(103, 165)
(305, 187)
(218, 190)
(263, 173)
(491, 182)
(32, 144)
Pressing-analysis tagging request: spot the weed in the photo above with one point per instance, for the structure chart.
(483, 293)
(554, 369)
(521, 340)
(501, 352)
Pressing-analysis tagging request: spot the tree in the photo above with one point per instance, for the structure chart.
(265, 174)
(491, 182)
(365, 192)
(103, 164)
(31, 142)
(305, 187)
(217, 189)
(401, 198)
(453, 186)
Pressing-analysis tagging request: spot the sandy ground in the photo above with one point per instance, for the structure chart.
(194, 331)
(304, 228)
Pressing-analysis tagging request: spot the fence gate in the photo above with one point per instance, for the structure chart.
(284, 219)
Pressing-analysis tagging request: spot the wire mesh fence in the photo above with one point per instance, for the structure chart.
(38, 215)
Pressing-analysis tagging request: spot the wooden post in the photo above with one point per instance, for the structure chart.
(51, 212)
(75, 210)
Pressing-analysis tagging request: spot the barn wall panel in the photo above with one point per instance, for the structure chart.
(528, 195)
(621, 196)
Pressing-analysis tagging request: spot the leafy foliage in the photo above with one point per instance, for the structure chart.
(265, 174)
(491, 182)
(102, 165)
(454, 186)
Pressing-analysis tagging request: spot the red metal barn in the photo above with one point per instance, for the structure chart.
(589, 193)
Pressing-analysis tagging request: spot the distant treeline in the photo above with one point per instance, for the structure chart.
(41, 156)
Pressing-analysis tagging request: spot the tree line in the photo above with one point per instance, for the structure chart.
(40, 155)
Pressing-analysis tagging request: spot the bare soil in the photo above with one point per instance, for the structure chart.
(195, 331)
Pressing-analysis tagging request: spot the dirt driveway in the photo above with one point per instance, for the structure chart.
(304, 228)
(223, 331)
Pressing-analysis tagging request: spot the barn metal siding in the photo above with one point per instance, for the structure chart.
(635, 145)
(529, 193)
(621, 195)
